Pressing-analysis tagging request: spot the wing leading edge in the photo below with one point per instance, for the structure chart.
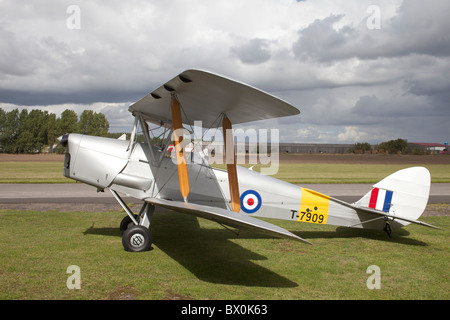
(230, 218)
(204, 96)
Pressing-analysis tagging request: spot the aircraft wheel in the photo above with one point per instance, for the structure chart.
(137, 239)
(126, 223)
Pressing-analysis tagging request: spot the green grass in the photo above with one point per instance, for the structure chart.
(198, 259)
(32, 172)
(52, 172)
(351, 173)
(299, 173)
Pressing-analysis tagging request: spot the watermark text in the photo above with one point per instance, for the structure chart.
(73, 21)
(74, 280)
(374, 281)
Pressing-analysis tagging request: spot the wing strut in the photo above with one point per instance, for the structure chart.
(230, 158)
(178, 138)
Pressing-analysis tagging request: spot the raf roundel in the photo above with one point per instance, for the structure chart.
(250, 201)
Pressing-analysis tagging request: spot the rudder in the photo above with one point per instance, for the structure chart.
(404, 193)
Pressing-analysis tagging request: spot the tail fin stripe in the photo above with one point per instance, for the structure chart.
(373, 198)
(387, 201)
(380, 199)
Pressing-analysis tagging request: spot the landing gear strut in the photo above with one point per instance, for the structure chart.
(136, 236)
(387, 228)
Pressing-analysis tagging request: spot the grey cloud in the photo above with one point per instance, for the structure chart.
(119, 117)
(17, 57)
(421, 28)
(375, 109)
(399, 84)
(320, 41)
(342, 76)
(255, 51)
(416, 29)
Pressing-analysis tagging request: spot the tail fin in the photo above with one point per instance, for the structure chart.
(403, 194)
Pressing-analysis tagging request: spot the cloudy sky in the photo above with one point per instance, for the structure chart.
(359, 71)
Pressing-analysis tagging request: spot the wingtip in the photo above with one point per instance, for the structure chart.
(294, 237)
(306, 241)
(429, 225)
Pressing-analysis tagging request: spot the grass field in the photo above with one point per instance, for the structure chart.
(347, 173)
(293, 168)
(193, 258)
(32, 172)
(198, 259)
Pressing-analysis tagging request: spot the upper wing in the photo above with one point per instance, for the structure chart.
(231, 218)
(205, 96)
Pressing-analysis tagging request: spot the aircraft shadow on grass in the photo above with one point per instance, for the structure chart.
(207, 253)
(212, 256)
(399, 236)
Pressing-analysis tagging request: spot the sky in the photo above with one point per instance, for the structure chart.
(359, 71)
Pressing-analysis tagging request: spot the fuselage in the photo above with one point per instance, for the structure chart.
(129, 168)
(109, 163)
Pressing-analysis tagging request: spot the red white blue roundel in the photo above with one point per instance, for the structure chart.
(250, 201)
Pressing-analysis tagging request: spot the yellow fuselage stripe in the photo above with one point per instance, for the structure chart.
(313, 207)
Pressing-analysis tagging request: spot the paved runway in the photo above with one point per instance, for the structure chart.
(82, 193)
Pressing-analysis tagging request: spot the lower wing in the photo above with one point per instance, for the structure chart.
(234, 219)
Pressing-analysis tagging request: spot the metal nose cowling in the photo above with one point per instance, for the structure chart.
(63, 140)
(93, 160)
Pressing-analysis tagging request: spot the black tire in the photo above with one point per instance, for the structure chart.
(137, 239)
(126, 223)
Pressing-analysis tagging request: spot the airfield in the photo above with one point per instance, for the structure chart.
(81, 197)
(47, 227)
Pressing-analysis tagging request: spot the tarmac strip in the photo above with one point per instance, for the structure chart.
(78, 193)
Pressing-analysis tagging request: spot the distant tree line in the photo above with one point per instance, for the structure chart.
(391, 147)
(37, 130)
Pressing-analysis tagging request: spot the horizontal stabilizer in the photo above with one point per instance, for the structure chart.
(392, 217)
(234, 219)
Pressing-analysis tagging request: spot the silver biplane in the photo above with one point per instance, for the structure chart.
(234, 197)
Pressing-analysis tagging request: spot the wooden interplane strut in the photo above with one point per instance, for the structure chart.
(178, 138)
(230, 158)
